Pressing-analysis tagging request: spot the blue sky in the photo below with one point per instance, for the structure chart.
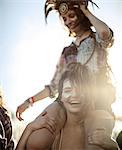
(29, 49)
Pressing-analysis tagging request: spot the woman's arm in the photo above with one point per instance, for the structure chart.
(26, 104)
(48, 123)
(101, 28)
(48, 91)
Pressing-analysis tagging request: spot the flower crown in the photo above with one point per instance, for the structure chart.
(62, 6)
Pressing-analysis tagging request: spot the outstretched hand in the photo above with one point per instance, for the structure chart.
(20, 109)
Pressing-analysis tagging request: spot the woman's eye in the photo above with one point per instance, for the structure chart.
(72, 15)
(66, 93)
(67, 90)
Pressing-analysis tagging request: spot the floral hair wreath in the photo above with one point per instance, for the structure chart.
(62, 5)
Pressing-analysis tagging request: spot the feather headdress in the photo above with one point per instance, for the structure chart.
(62, 5)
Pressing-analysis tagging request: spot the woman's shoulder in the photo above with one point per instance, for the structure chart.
(55, 107)
(66, 48)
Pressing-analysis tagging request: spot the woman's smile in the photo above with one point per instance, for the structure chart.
(71, 20)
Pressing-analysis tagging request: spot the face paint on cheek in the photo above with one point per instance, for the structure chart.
(67, 90)
(66, 94)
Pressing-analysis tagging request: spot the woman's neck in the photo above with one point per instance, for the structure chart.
(83, 33)
(74, 119)
(80, 33)
(81, 36)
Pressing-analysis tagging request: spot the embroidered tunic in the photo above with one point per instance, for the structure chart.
(82, 53)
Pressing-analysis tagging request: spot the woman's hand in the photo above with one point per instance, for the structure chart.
(20, 109)
(43, 121)
(97, 137)
(84, 8)
(101, 138)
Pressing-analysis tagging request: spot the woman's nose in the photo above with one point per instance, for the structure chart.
(74, 93)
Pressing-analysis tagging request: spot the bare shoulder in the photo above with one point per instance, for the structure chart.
(57, 111)
(55, 107)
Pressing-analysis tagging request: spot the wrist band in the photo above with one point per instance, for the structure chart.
(30, 101)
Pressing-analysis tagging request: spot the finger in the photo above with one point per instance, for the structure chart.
(90, 140)
(52, 119)
(48, 127)
(17, 113)
(51, 124)
(44, 113)
(85, 2)
(19, 116)
(48, 123)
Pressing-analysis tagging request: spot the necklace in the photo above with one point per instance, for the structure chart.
(82, 37)
(93, 36)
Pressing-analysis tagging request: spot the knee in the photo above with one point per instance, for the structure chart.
(101, 138)
(32, 144)
(40, 140)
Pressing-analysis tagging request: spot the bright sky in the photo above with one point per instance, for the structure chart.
(29, 49)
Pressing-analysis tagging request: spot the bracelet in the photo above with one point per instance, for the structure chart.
(30, 101)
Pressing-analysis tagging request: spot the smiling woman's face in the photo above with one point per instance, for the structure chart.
(72, 97)
(71, 21)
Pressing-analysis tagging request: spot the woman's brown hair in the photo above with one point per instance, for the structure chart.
(78, 75)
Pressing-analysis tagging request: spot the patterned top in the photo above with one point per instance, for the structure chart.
(6, 141)
(91, 52)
